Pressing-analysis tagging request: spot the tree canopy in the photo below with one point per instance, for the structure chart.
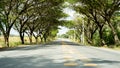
(34, 17)
(99, 20)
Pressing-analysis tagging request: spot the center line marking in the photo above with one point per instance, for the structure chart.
(90, 64)
(70, 64)
(70, 51)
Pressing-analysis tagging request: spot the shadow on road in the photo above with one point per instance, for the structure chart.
(103, 61)
(45, 62)
(65, 43)
(28, 62)
(34, 47)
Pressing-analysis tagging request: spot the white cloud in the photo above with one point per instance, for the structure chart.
(62, 30)
(70, 12)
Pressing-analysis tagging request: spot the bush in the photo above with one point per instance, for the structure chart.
(96, 39)
(108, 37)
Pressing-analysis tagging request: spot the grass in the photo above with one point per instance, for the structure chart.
(110, 47)
(14, 41)
(116, 48)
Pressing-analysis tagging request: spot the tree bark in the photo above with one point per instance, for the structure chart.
(36, 38)
(6, 38)
(89, 41)
(41, 39)
(102, 41)
(116, 39)
(30, 38)
(45, 38)
(22, 38)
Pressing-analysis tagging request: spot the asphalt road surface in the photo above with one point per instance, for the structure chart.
(61, 53)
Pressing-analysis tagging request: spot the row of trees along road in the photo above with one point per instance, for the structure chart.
(38, 18)
(101, 21)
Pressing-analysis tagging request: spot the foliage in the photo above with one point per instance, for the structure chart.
(101, 21)
(38, 18)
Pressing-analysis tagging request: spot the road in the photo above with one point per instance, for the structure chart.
(61, 53)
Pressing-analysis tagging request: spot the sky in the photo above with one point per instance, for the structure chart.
(71, 13)
(62, 29)
(14, 32)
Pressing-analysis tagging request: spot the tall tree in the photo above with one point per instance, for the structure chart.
(100, 12)
(10, 12)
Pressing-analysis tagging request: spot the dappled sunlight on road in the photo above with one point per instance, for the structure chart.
(61, 53)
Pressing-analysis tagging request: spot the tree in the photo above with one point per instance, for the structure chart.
(108, 8)
(10, 12)
(20, 25)
(35, 17)
(100, 12)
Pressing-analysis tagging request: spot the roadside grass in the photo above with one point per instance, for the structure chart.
(14, 41)
(85, 43)
(115, 48)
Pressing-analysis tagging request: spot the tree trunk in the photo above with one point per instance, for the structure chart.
(45, 39)
(6, 38)
(36, 38)
(102, 41)
(41, 38)
(89, 41)
(116, 39)
(22, 38)
(30, 38)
